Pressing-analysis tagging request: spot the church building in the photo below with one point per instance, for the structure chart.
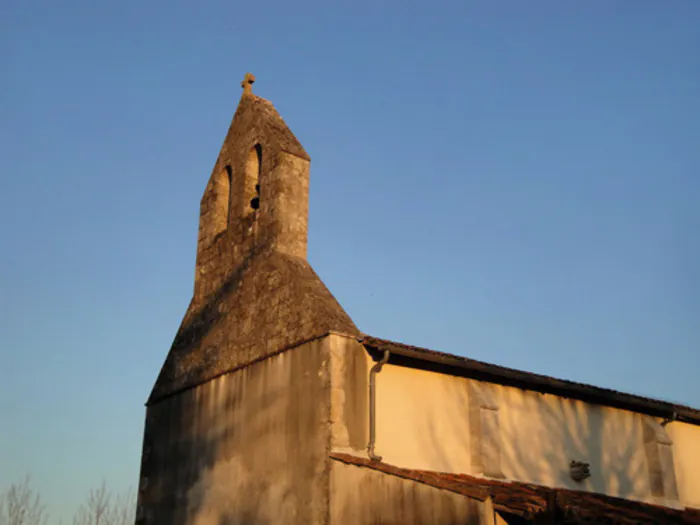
(273, 408)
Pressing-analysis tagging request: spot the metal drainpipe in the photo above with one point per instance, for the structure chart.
(372, 402)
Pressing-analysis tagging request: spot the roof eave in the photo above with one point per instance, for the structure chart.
(447, 363)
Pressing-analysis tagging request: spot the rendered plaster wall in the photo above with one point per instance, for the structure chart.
(249, 447)
(541, 434)
(686, 447)
(349, 369)
(421, 416)
(362, 496)
(432, 421)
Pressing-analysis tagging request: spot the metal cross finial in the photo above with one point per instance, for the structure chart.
(247, 83)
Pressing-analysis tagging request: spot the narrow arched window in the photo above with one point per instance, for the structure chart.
(222, 201)
(252, 179)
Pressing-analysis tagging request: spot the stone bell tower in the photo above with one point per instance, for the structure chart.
(258, 194)
(255, 296)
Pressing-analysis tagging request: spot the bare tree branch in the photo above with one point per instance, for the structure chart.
(95, 511)
(102, 509)
(124, 508)
(21, 505)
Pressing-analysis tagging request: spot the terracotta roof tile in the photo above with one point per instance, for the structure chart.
(528, 500)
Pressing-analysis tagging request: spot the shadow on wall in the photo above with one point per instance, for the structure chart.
(456, 424)
(176, 452)
(246, 447)
(199, 321)
(541, 434)
(202, 480)
(217, 498)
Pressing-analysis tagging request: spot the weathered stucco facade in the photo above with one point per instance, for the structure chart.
(439, 421)
(271, 406)
(246, 447)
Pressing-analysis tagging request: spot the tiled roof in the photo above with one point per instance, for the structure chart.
(529, 501)
(211, 341)
(442, 361)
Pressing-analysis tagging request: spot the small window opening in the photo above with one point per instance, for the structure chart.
(252, 178)
(255, 201)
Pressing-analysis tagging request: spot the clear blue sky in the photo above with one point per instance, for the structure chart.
(517, 182)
